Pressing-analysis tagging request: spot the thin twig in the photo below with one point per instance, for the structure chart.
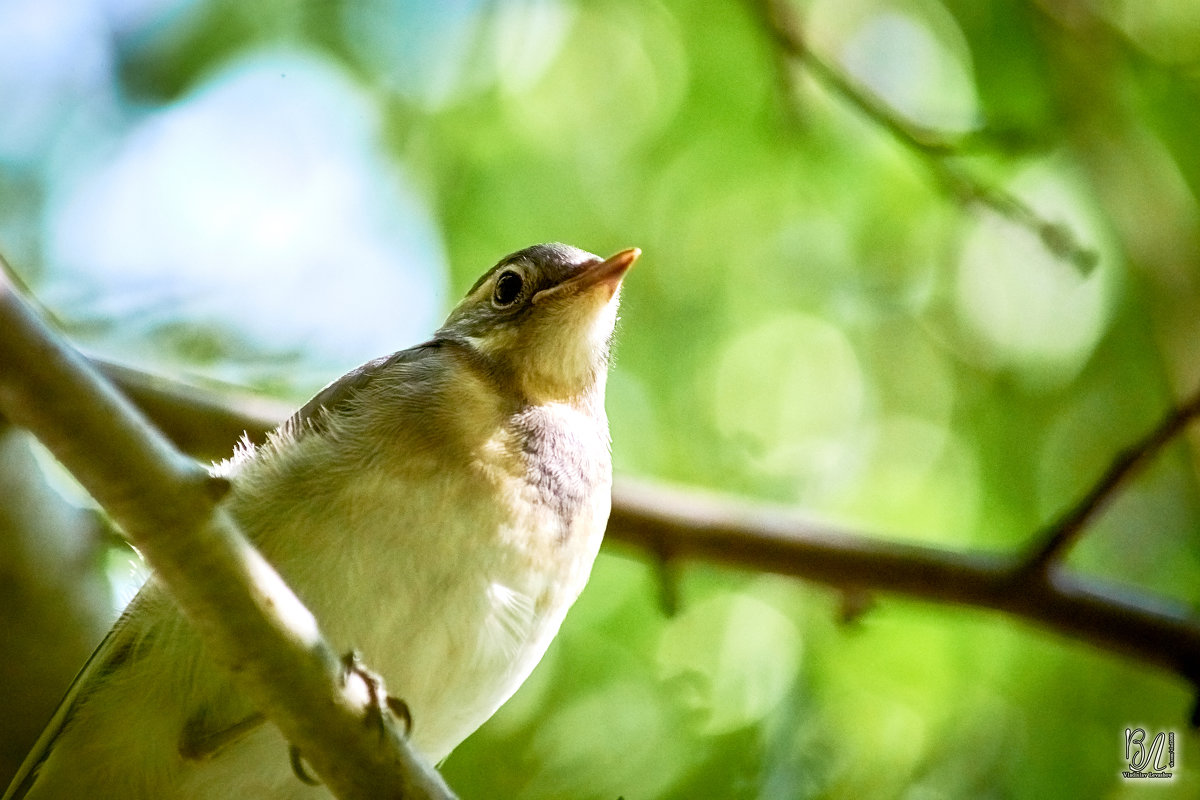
(784, 31)
(1054, 541)
(933, 148)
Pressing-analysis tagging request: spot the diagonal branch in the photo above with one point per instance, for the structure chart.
(251, 622)
(934, 149)
(1066, 530)
(674, 526)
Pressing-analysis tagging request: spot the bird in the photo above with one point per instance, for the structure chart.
(438, 509)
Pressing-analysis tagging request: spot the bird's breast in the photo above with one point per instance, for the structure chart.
(452, 571)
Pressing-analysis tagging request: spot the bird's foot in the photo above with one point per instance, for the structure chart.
(379, 705)
(380, 701)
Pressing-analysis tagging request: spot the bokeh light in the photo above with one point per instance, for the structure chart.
(259, 205)
(1031, 311)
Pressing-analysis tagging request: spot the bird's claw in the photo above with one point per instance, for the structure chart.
(379, 703)
(380, 700)
(402, 712)
(297, 761)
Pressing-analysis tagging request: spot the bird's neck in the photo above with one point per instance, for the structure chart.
(582, 390)
(575, 379)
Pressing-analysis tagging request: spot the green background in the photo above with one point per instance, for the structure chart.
(817, 322)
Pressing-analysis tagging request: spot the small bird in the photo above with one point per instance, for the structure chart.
(438, 509)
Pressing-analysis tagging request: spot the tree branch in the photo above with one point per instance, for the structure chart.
(252, 624)
(1053, 543)
(674, 526)
(226, 415)
(933, 148)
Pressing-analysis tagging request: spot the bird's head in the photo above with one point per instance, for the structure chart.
(543, 318)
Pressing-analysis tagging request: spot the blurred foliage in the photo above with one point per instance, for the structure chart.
(270, 192)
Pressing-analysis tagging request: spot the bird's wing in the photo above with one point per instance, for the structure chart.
(313, 415)
(114, 651)
(108, 655)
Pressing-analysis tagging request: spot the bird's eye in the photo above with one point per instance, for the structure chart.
(508, 288)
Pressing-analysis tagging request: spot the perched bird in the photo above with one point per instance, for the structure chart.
(438, 509)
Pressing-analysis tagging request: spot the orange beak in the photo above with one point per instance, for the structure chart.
(608, 272)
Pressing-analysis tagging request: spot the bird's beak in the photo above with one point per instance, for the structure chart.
(607, 273)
